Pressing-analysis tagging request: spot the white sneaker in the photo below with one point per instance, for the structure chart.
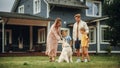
(78, 60)
(85, 60)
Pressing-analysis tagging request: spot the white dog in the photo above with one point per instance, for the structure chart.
(66, 53)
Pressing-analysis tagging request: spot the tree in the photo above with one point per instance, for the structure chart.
(111, 8)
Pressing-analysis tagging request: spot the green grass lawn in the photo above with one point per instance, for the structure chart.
(97, 61)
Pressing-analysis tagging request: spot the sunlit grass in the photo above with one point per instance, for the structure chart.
(97, 61)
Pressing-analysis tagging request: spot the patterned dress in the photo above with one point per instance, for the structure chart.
(52, 41)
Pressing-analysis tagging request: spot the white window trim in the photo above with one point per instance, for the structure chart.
(100, 12)
(35, 12)
(101, 26)
(10, 36)
(94, 35)
(81, 0)
(67, 30)
(22, 6)
(43, 41)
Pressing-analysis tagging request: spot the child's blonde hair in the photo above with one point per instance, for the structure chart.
(82, 29)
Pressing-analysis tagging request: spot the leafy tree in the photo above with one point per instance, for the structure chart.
(111, 8)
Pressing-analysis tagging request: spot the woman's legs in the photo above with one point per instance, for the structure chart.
(52, 55)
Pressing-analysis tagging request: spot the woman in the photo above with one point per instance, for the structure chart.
(53, 37)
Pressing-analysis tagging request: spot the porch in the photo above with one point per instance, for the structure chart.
(22, 32)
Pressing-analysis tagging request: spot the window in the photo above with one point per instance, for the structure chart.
(21, 9)
(94, 8)
(36, 6)
(68, 31)
(64, 29)
(81, 0)
(104, 34)
(8, 37)
(92, 35)
(41, 35)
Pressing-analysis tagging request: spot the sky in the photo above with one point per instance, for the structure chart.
(6, 5)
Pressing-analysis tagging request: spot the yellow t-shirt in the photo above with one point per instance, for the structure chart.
(84, 40)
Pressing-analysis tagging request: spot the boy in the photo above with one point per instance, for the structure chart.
(66, 37)
(84, 45)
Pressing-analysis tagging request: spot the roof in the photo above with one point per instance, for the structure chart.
(89, 21)
(71, 4)
(23, 19)
(22, 16)
(66, 3)
(15, 5)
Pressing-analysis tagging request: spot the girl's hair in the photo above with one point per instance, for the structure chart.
(82, 29)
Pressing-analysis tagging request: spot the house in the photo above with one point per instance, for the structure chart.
(90, 10)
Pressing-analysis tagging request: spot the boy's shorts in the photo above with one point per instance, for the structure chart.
(77, 44)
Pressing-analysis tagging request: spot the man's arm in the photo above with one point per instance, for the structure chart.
(73, 32)
(86, 28)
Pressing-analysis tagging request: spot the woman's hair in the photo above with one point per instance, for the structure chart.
(57, 20)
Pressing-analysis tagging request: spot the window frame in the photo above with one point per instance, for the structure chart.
(65, 29)
(10, 36)
(81, 0)
(38, 7)
(93, 35)
(21, 7)
(101, 41)
(43, 35)
(100, 9)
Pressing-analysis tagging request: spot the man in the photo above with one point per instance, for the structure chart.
(77, 35)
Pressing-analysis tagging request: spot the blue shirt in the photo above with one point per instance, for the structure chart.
(68, 39)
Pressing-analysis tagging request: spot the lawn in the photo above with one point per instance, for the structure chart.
(97, 61)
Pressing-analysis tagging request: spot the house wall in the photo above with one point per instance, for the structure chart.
(43, 12)
(63, 14)
(28, 7)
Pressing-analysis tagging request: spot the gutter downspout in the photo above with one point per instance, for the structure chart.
(48, 10)
(98, 37)
(3, 34)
